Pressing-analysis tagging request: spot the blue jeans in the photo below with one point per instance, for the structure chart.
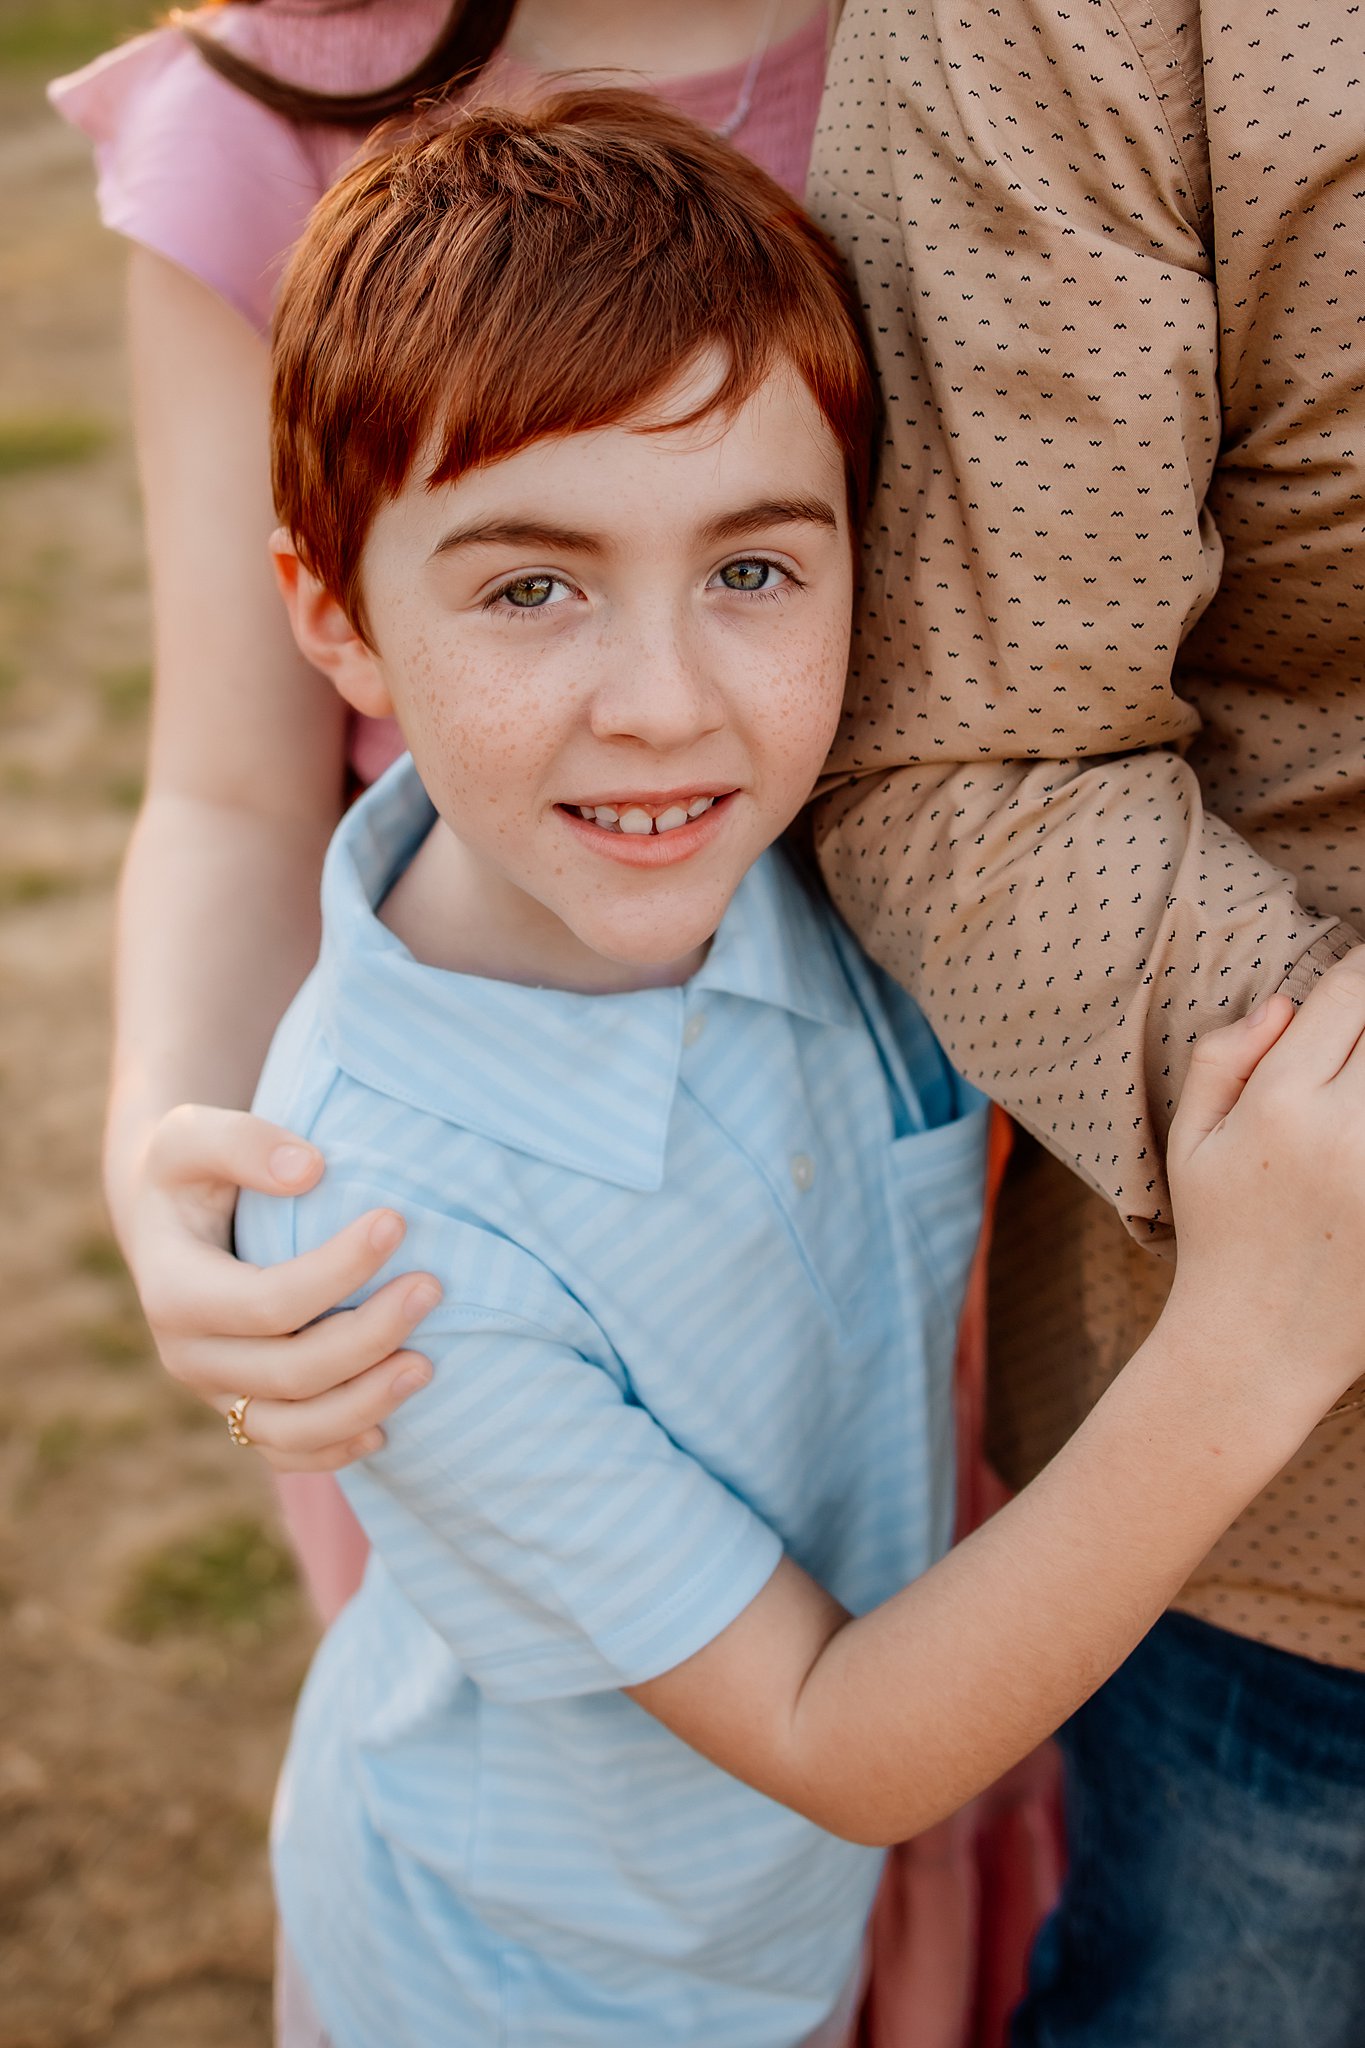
(1216, 1829)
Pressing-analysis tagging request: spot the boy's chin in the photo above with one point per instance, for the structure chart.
(664, 951)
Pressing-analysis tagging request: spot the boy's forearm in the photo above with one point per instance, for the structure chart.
(911, 1710)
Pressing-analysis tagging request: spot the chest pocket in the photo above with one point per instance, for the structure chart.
(937, 1184)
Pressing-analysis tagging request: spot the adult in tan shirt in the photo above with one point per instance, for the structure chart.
(1101, 785)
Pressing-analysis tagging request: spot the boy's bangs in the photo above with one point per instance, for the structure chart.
(582, 399)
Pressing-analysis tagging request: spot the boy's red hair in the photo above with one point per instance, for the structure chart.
(514, 275)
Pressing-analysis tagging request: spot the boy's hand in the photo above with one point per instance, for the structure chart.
(1267, 1167)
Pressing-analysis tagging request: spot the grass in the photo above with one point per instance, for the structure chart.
(52, 34)
(53, 560)
(230, 1578)
(122, 1430)
(115, 1341)
(68, 1440)
(124, 792)
(99, 1256)
(60, 1444)
(22, 886)
(126, 691)
(48, 440)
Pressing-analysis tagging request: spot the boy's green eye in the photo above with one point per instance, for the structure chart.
(528, 591)
(745, 575)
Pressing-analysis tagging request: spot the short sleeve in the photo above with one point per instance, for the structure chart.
(526, 1503)
(193, 169)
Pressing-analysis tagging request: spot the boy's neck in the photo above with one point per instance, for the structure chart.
(452, 911)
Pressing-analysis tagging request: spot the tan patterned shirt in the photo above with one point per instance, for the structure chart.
(1101, 777)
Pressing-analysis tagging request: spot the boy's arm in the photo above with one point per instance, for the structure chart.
(879, 1726)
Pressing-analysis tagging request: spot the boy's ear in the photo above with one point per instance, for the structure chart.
(325, 634)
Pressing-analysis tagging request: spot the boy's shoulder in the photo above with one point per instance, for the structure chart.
(462, 1210)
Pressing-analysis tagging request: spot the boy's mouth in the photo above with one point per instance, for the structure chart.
(638, 820)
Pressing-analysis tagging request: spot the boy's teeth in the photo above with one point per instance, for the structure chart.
(638, 821)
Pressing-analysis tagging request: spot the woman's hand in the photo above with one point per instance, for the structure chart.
(319, 1389)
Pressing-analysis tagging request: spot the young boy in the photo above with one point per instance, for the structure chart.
(572, 421)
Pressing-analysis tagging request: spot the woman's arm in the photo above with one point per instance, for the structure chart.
(219, 906)
(218, 909)
(878, 1727)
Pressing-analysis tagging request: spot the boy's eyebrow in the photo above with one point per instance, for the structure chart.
(537, 533)
(519, 533)
(770, 512)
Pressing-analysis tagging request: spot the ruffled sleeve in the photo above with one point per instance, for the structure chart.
(196, 170)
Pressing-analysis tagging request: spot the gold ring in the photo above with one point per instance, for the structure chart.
(236, 1417)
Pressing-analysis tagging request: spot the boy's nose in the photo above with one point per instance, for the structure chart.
(656, 685)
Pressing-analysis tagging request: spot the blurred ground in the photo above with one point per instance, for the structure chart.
(150, 1642)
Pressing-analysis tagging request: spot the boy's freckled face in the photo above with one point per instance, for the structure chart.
(651, 628)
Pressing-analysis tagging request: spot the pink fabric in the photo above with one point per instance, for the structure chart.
(333, 45)
(328, 1540)
(375, 744)
(780, 127)
(296, 2018)
(197, 171)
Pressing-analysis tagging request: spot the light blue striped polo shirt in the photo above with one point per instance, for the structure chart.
(703, 1251)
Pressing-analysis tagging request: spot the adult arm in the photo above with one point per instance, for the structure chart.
(1087, 411)
(218, 917)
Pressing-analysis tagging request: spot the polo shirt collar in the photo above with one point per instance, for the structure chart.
(583, 1082)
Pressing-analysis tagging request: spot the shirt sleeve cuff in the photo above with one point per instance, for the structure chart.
(1334, 945)
(676, 1628)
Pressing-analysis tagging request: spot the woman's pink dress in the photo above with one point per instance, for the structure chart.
(195, 170)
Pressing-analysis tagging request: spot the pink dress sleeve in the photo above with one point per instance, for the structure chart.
(197, 171)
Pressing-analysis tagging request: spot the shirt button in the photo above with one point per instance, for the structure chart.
(693, 1028)
(803, 1171)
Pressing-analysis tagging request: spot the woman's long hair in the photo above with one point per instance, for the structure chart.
(472, 32)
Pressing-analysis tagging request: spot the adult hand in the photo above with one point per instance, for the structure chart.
(319, 1389)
